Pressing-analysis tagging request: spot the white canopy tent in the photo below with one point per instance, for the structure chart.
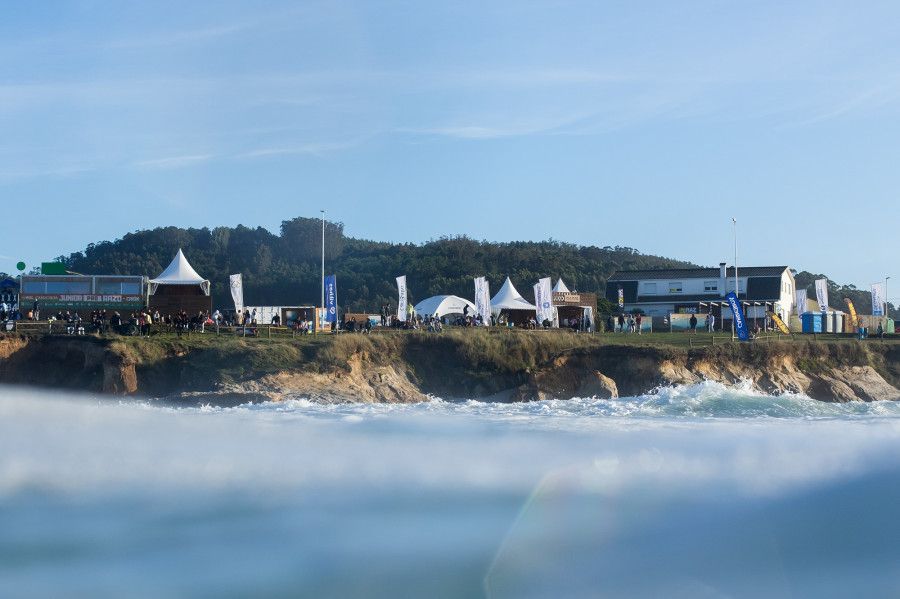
(510, 299)
(179, 272)
(443, 305)
(561, 287)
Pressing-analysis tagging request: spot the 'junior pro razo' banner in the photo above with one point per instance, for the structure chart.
(483, 299)
(877, 299)
(401, 304)
(330, 299)
(740, 323)
(822, 294)
(237, 292)
(543, 296)
(801, 301)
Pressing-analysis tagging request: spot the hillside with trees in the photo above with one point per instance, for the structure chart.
(285, 269)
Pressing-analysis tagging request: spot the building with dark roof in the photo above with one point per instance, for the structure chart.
(703, 290)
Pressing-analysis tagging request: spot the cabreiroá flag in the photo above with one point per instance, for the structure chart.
(740, 324)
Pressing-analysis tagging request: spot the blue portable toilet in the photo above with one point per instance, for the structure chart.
(812, 322)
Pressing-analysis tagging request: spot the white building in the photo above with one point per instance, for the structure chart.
(703, 290)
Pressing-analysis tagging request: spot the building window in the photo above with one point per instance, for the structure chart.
(650, 288)
(710, 286)
(675, 287)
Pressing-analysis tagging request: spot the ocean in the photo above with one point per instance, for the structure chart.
(693, 492)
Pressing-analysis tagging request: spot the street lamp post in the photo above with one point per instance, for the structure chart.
(319, 324)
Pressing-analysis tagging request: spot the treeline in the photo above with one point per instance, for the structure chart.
(861, 298)
(286, 269)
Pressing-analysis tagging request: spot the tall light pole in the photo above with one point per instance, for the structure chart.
(323, 268)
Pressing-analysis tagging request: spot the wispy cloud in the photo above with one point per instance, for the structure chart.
(174, 161)
(317, 149)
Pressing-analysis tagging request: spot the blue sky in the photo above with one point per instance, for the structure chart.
(640, 124)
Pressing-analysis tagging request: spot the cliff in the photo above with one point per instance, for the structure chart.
(507, 365)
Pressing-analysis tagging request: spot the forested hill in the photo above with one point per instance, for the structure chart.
(286, 269)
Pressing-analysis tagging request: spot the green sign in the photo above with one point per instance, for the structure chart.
(20, 266)
(53, 268)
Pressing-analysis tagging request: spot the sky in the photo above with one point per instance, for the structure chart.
(649, 125)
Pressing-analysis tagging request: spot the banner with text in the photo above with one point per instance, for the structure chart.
(621, 298)
(237, 292)
(401, 303)
(543, 299)
(778, 322)
(822, 294)
(330, 299)
(853, 318)
(877, 299)
(740, 324)
(483, 299)
(801, 301)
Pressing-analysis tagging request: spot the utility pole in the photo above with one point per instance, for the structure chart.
(319, 324)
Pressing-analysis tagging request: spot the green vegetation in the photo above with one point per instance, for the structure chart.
(285, 269)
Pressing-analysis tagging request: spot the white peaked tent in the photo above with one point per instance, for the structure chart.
(443, 305)
(561, 287)
(510, 299)
(179, 272)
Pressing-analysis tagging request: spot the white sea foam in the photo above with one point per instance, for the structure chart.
(504, 497)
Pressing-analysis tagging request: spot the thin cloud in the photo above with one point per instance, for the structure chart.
(174, 161)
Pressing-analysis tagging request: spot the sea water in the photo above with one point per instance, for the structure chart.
(702, 491)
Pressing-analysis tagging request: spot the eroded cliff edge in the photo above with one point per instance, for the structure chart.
(406, 368)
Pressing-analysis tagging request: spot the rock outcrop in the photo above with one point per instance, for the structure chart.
(834, 372)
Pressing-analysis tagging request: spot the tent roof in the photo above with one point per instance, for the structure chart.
(561, 287)
(509, 299)
(179, 272)
(444, 304)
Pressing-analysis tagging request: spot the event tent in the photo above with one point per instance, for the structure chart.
(179, 272)
(561, 287)
(444, 305)
(510, 299)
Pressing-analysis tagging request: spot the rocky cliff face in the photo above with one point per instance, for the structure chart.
(620, 371)
(837, 372)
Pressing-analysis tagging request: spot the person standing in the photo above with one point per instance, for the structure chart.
(711, 322)
(637, 320)
(693, 322)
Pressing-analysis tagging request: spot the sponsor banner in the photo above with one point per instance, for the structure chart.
(237, 292)
(740, 323)
(330, 299)
(483, 299)
(822, 294)
(854, 320)
(877, 299)
(801, 301)
(543, 298)
(621, 298)
(401, 303)
(81, 301)
(778, 322)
